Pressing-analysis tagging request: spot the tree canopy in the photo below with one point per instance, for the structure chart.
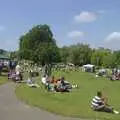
(39, 45)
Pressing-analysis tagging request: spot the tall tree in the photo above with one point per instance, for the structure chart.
(80, 54)
(64, 53)
(39, 45)
(117, 58)
(99, 55)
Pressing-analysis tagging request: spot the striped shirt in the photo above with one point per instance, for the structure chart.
(96, 101)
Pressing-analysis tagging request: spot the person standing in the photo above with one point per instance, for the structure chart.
(1, 67)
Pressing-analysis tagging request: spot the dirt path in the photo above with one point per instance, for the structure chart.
(13, 109)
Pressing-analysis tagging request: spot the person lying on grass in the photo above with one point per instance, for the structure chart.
(100, 103)
(31, 83)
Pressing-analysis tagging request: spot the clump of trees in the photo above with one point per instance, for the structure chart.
(82, 54)
(39, 45)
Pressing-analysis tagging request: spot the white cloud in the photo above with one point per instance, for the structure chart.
(2, 28)
(113, 36)
(112, 41)
(85, 16)
(75, 34)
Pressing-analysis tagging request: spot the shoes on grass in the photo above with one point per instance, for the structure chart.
(116, 112)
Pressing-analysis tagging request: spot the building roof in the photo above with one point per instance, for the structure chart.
(88, 65)
(4, 57)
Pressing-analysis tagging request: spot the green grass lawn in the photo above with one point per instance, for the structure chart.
(77, 102)
(3, 80)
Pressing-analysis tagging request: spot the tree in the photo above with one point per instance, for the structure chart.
(109, 61)
(79, 54)
(39, 45)
(99, 56)
(46, 54)
(2, 51)
(64, 53)
(117, 58)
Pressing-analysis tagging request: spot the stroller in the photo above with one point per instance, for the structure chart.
(15, 76)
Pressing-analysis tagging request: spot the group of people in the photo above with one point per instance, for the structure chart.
(98, 103)
(58, 85)
(14, 69)
(115, 74)
(15, 72)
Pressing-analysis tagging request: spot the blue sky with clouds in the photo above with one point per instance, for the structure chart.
(96, 22)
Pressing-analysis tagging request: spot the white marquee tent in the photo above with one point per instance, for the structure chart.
(88, 68)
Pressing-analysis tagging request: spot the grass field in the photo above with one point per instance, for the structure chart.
(3, 80)
(77, 102)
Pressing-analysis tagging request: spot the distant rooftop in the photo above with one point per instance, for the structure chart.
(4, 57)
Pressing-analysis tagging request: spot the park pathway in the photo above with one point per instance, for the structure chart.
(13, 109)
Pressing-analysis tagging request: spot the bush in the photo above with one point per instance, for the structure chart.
(35, 74)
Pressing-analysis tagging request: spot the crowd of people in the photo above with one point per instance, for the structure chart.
(57, 85)
(98, 103)
(115, 74)
(15, 71)
(112, 75)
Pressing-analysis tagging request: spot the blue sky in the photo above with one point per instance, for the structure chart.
(96, 22)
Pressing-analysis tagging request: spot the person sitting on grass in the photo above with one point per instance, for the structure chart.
(57, 85)
(52, 80)
(52, 84)
(31, 83)
(100, 103)
(44, 80)
(60, 85)
(63, 81)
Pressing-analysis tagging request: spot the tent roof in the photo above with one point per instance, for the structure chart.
(4, 57)
(88, 65)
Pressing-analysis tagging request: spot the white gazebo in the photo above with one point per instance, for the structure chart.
(88, 68)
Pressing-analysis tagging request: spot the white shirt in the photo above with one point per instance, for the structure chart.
(96, 101)
(18, 68)
(43, 80)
